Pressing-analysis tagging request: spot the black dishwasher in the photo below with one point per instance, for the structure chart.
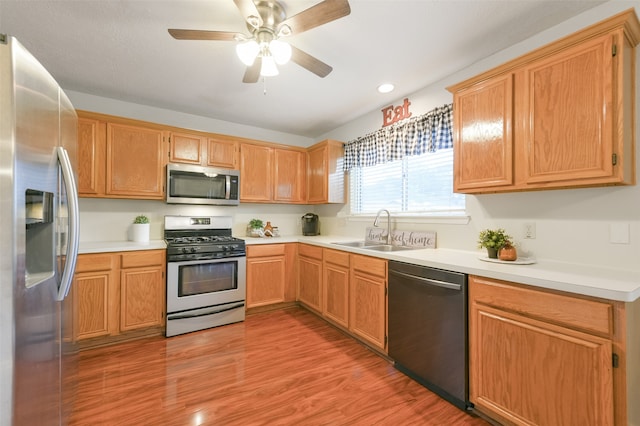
(428, 328)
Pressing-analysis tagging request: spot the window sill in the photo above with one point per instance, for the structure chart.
(452, 219)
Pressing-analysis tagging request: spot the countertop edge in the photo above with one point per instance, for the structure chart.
(587, 280)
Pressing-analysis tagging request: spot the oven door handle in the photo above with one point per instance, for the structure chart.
(204, 314)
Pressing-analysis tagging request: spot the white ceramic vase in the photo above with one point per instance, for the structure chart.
(140, 232)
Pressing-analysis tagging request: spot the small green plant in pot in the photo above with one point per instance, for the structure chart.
(140, 229)
(493, 240)
(254, 228)
(141, 219)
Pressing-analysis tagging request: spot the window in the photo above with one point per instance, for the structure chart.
(415, 184)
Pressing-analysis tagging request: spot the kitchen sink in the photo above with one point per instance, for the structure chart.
(375, 247)
(387, 247)
(353, 244)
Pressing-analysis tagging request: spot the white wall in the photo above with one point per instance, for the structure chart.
(572, 225)
(179, 119)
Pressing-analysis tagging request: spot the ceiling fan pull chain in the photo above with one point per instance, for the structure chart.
(264, 86)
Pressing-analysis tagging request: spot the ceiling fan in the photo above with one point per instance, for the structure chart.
(267, 22)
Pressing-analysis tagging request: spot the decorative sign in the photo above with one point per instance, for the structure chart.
(417, 239)
(393, 114)
(376, 235)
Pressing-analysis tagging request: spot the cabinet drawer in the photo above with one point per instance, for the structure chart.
(336, 257)
(369, 265)
(265, 250)
(570, 311)
(306, 250)
(95, 262)
(137, 259)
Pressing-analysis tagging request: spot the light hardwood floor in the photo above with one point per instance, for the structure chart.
(285, 367)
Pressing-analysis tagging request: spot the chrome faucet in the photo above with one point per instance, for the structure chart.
(375, 223)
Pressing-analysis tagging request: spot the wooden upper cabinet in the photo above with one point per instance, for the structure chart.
(187, 148)
(271, 175)
(569, 98)
(483, 123)
(255, 173)
(91, 157)
(222, 153)
(325, 173)
(289, 172)
(135, 161)
(561, 116)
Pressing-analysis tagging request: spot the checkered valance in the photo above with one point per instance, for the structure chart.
(415, 136)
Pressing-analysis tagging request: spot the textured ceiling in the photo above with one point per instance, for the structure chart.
(121, 49)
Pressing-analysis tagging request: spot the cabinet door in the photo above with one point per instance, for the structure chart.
(91, 309)
(483, 136)
(255, 173)
(368, 308)
(135, 162)
(222, 153)
(289, 171)
(310, 282)
(529, 372)
(186, 148)
(142, 297)
(91, 157)
(570, 104)
(265, 280)
(336, 287)
(317, 184)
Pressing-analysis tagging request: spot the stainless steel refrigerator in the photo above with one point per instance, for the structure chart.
(38, 238)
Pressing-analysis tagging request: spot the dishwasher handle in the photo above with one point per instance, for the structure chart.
(428, 281)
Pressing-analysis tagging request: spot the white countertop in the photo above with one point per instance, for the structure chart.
(588, 280)
(109, 246)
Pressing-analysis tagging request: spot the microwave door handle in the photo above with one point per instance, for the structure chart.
(227, 186)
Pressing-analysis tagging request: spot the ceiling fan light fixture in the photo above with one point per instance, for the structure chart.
(248, 51)
(269, 68)
(281, 51)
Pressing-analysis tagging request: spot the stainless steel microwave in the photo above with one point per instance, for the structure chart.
(187, 184)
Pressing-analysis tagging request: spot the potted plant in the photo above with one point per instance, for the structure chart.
(254, 228)
(493, 240)
(140, 229)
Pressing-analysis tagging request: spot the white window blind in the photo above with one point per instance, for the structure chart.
(415, 184)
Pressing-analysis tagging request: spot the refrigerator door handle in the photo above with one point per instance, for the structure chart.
(74, 223)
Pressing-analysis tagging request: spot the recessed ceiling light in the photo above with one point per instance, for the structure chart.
(386, 88)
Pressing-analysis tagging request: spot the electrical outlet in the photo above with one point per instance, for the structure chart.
(530, 231)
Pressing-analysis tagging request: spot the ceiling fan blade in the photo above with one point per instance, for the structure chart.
(321, 13)
(252, 74)
(307, 61)
(203, 35)
(248, 8)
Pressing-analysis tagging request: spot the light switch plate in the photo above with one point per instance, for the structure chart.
(619, 233)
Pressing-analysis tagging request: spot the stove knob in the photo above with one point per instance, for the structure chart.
(185, 250)
(193, 250)
(226, 248)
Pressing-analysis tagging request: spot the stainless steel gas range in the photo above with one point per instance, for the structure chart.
(206, 273)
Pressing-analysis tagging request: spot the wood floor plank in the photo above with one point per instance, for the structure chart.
(285, 367)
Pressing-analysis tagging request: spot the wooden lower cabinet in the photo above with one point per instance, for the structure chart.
(368, 300)
(310, 276)
(270, 274)
(142, 290)
(94, 289)
(541, 358)
(117, 293)
(335, 276)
